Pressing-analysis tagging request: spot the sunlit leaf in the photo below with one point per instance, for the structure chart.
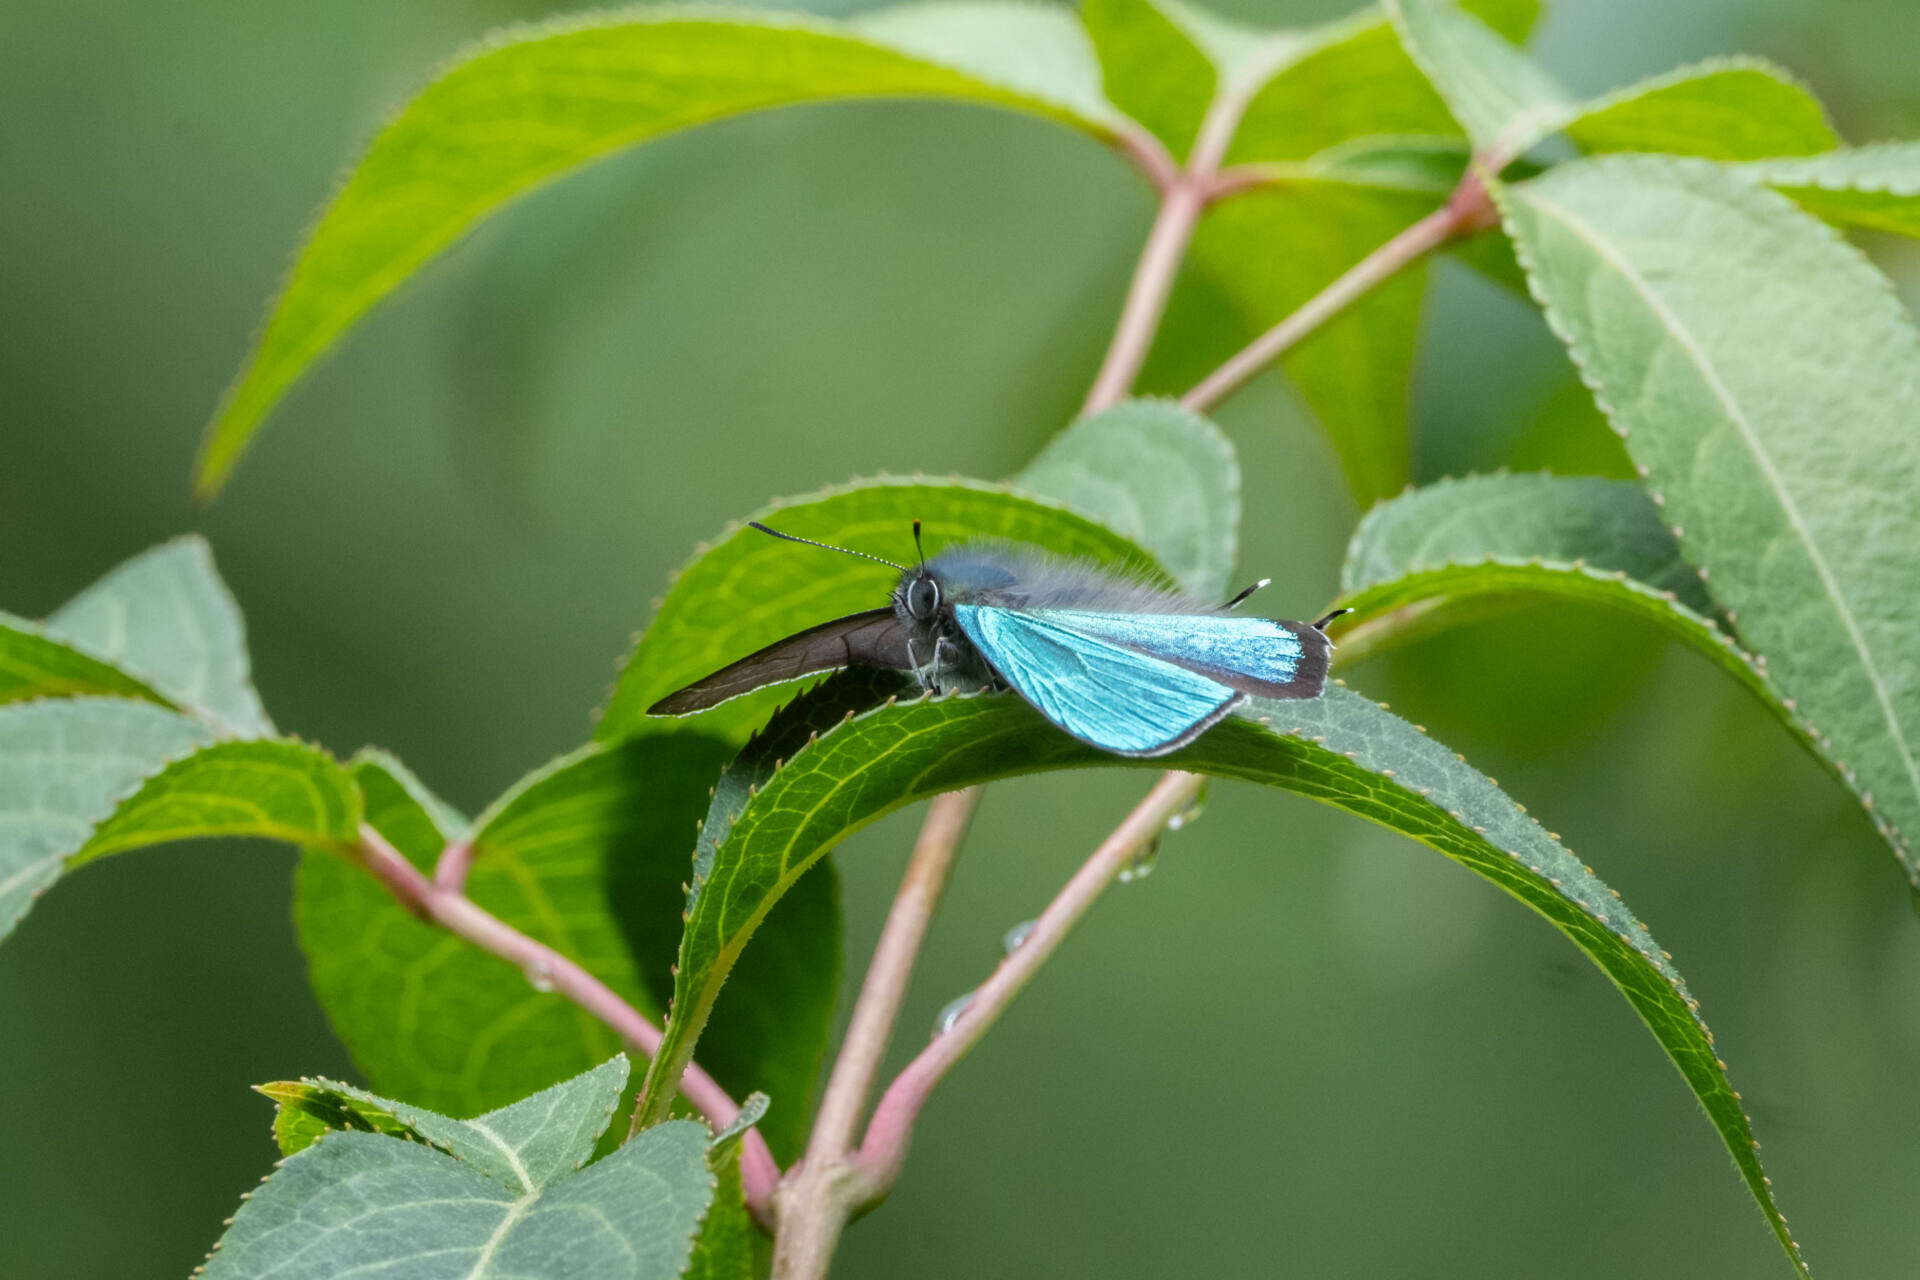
(1152, 69)
(525, 108)
(1766, 382)
(499, 1196)
(852, 767)
(1722, 109)
(35, 665)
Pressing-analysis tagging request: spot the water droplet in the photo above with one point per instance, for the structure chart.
(540, 976)
(1010, 941)
(950, 1014)
(1191, 814)
(1142, 865)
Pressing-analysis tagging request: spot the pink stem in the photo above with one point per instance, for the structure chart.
(884, 1149)
(1468, 210)
(458, 914)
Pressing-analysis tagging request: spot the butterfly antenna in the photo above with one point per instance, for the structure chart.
(755, 524)
(1244, 594)
(1322, 624)
(916, 544)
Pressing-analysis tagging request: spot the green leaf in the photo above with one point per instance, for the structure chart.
(1502, 98)
(307, 1110)
(496, 1196)
(1157, 474)
(165, 619)
(526, 108)
(749, 590)
(272, 789)
(1721, 109)
(1766, 382)
(34, 665)
(1152, 69)
(1465, 549)
(64, 765)
(730, 1247)
(1876, 186)
(1351, 79)
(1521, 520)
(1341, 749)
(588, 855)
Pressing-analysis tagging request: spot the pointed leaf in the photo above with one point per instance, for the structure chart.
(1721, 109)
(496, 1198)
(165, 619)
(1876, 186)
(519, 111)
(1502, 98)
(1766, 382)
(730, 1246)
(749, 590)
(1341, 749)
(1157, 474)
(1151, 68)
(64, 765)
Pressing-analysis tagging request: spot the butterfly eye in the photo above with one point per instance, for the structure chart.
(923, 597)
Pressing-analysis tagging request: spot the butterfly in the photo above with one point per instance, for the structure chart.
(1122, 664)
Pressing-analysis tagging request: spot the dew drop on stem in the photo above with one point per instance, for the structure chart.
(1010, 941)
(540, 976)
(1141, 865)
(950, 1013)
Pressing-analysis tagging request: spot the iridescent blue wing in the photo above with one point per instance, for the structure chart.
(1109, 695)
(1260, 656)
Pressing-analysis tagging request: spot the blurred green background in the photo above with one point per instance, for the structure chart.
(1304, 1046)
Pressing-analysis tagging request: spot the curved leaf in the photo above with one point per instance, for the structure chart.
(1157, 474)
(1721, 109)
(1461, 549)
(166, 619)
(1611, 525)
(1766, 383)
(749, 590)
(1341, 749)
(64, 765)
(499, 1196)
(1876, 186)
(273, 789)
(524, 109)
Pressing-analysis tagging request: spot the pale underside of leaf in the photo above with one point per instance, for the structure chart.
(500, 1197)
(1157, 474)
(1765, 378)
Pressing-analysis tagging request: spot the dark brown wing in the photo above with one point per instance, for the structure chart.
(876, 638)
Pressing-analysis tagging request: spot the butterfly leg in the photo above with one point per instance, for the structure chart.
(920, 672)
